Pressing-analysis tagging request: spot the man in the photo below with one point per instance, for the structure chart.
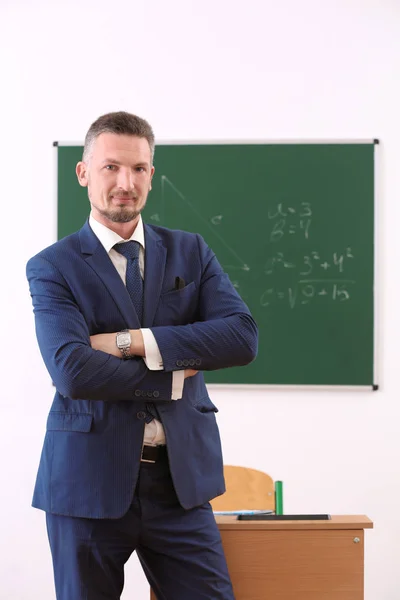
(127, 316)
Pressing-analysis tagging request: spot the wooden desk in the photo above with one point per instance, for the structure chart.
(295, 560)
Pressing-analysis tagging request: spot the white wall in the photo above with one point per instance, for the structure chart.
(202, 70)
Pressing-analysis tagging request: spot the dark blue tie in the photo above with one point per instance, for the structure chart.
(134, 285)
(134, 281)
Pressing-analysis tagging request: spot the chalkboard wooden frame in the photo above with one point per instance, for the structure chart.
(255, 385)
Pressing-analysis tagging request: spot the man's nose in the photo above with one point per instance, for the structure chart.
(125, 180)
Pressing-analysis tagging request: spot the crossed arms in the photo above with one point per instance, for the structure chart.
(225, 336)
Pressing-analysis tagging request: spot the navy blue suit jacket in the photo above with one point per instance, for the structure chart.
(91, 452)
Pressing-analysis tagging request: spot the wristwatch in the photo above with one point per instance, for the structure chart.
(124, 343)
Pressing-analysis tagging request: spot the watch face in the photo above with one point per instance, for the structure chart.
(124, 340)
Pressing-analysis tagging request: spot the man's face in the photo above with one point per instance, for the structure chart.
(118, 176)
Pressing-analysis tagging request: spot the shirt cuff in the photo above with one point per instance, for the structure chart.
(152, 358)
(178, 380)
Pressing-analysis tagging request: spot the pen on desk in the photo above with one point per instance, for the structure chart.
(243, 512)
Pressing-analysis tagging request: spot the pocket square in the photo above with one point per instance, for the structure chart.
(179, 283)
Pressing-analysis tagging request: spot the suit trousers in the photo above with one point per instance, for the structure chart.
(180, 550)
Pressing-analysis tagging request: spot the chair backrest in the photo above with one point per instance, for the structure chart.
(246, 489)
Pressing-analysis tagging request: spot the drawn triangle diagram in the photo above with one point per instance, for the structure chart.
(173, 201)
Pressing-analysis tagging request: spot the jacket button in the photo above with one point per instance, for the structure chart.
(192, 362)
(138, 393)
(156, 394)
(185, 363)
(141, 415)
(179, 363)
(197, 362)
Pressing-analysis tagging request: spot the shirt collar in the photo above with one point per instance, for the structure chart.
(109, 238)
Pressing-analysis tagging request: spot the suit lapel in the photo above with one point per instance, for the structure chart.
(96, 256)
(155, 257)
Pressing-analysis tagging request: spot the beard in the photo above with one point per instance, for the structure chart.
(122, 214)
(119, 214)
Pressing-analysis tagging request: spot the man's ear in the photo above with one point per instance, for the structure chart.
(82, 173)
(151, 176)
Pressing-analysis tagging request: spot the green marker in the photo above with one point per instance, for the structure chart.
(279, 497)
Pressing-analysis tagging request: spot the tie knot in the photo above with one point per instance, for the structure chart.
(128, 249)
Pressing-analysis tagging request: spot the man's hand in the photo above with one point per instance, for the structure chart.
(190, 373)
(107, 342)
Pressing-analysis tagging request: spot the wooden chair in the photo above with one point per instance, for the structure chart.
(246, 489)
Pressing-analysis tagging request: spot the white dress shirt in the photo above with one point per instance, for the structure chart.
(154, 431)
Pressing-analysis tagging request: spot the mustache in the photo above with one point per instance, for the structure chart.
(125, 196)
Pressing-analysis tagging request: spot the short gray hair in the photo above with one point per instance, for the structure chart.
(121, 123)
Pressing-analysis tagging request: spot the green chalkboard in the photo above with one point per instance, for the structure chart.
(293, 225)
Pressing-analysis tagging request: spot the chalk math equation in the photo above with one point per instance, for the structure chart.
(312, 277)
(287, 220)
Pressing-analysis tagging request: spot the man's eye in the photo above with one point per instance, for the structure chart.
(140, 169)
(110, 167)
